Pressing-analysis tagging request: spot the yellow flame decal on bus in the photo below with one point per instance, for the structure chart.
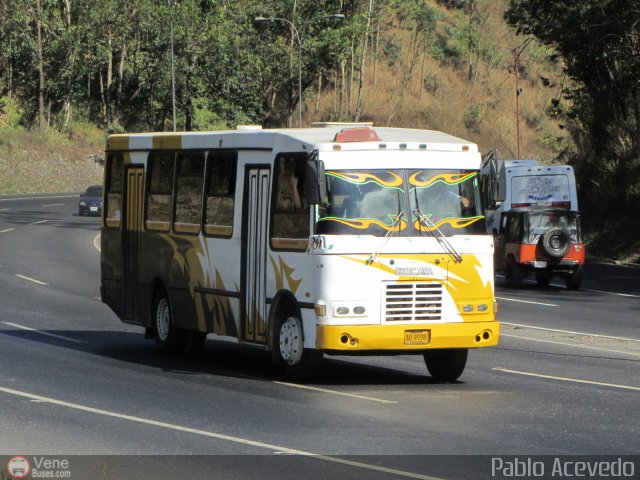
(364, 177)
(448, 178)
(284, 272)
(194, 265)
(452, 222)
(364, 223)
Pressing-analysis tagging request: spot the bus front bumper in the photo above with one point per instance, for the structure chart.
(362, 338)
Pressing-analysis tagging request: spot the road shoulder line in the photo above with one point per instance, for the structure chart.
(219, 436)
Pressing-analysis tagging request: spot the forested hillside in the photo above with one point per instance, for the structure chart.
(67, 66)
(446, 64)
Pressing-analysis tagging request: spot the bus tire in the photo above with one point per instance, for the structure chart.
(447, 364)
(169, 339)
(298, 362)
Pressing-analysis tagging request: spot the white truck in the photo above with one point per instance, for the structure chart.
(508, 184)
(532, 212)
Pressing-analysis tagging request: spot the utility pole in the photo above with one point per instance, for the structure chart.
(173, 72)
(516, 53)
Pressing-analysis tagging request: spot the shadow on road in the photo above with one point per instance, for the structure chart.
(219, 358)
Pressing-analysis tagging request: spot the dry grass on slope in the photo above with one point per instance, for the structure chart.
(31, 163)
(477, 103)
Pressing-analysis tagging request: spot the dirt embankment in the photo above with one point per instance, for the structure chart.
(32, 164)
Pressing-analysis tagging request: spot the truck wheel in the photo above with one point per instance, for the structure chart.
(514, 273)
(556, 242)
(446, 365)
(573, 280)
(298, 362)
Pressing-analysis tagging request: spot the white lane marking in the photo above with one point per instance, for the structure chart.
(53, 205)
(572, 332)
(38, 198)
(96, 242)
(629, 295)
(4, 209)
(29, 329)
(29, 279)
(526, 301)
(39, 222)
(219, 436)
(608, 350)
(334, 392)
(567, 379)
(7, 230)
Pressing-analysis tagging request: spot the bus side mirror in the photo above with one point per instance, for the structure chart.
(315, 181)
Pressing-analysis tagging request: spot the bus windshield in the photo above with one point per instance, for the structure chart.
(369, 202)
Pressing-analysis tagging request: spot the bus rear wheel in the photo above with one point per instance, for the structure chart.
(446, 365)
(169, 339)
(298, 362)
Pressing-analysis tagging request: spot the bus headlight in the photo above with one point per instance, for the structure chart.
(349, 309)
(474, 306)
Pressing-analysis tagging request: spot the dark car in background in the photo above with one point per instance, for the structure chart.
(91, 201)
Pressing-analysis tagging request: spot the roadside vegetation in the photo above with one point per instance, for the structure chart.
(74, 70)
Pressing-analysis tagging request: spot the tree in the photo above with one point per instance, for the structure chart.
(599, 41)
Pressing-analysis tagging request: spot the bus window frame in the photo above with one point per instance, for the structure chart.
(109, 222)
(159, 226)
(288, 244)
(214, 230)
(185, 227)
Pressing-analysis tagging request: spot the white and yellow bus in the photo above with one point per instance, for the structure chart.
(339, 240)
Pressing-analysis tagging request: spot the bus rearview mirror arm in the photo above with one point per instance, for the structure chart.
(315, 181)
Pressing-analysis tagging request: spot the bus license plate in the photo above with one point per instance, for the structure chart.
(417, 337)
(93, 209)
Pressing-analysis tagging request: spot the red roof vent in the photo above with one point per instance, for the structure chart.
(356, 135)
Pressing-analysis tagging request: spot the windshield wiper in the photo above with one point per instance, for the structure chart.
(383, 243)
(446, 246)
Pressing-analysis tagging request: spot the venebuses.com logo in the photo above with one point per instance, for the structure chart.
(18, 467)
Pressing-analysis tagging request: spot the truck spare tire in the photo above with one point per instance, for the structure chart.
(556, 242)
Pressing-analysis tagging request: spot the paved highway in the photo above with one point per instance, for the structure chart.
(75, 380)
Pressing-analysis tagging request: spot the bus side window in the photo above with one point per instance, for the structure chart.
(113, 210)
(220, 194)
(160, 191)
(188, 213)
(290, 216)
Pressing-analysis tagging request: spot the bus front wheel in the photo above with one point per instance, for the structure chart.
(446, 365)
(297, 361)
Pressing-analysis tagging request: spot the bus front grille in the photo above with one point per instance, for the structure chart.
(413, 302)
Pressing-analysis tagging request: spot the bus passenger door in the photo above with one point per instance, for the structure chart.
(254, 252)
(131, 244)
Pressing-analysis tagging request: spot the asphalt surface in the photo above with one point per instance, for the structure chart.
(74, 380)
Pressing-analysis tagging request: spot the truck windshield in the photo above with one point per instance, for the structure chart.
(369, 202)
(540, 222)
